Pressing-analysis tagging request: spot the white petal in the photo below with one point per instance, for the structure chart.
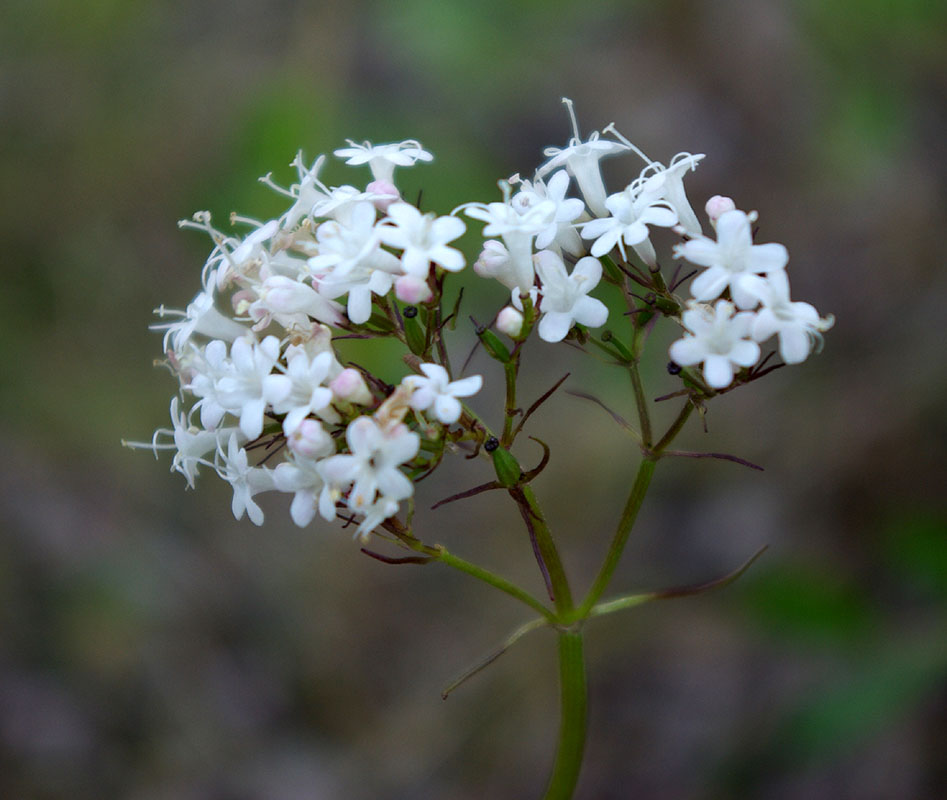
(555, 326)
(687, 351)
(466, 386)
(768, 257)
(709, 285)
(794, 344)
(718, 372)
(745, 353)
(447, 409)
(590, 312)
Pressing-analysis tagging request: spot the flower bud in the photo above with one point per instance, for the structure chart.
(350, 385)
(309, 439)
(493, 258)
(717, 205)
(385, 193)
(506, 466)
(413, 290)
(510, 322)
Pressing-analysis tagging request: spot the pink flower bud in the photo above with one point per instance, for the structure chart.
(717, 205)
(386, 194)
(309, 439)
(350, 385)
(510, 322)
(412, 290)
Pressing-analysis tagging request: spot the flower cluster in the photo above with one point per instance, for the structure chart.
(541, 229)
(273, 408)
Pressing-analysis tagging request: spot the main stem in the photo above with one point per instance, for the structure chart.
(573, 695)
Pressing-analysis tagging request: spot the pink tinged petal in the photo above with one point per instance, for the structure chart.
(709, 285)
(294, 418)
(718, 371)
(590, 312)
(745, 353)
(794, 344)
(768, 257)
(394, 484)
(466, 387)
(303, 508)
(555, 326)
(687, 351)
(447, 409)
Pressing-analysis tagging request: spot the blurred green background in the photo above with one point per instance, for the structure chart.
(151, 647)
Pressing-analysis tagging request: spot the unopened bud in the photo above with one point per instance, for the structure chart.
(493, 258)
(510, 322)
(717, 205)
(309, 439)
(350, 385)
(413, 290)
(385, 193)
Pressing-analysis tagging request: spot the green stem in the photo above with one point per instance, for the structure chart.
(635, 498)
(536, 522)
(573, 695)
(481, 574)
(644, 420)
(675, 428)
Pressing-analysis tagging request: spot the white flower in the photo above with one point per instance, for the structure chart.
(517, 229)
(302, 476)
(284, 296)
(565, 297)
(343, 247)
(423, 238)
(201, 316)
(731, 260)
(632, 210)
(718, 339)
(436, 390)
(301, 391)
(242, 390)
(797, 325)
(371, 466)
(567, 209)
(383, 158)
(668, 183)
(246, 481)
(581, 160)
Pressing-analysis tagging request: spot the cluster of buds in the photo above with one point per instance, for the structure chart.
(272, 408)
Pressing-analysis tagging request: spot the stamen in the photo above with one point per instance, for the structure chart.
(575, 124)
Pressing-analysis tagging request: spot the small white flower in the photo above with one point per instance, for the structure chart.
(436, 390)
(246, 481)
(632, 210)
(242, 388)
(718, 339)
(668, 183)
(565, 297)
(581, 160)
(201, 316)
(301, 391)
(731, 260)
(301, 476)
(383, 158)
(797, 325)
(423, 238)
(371, 466)
(567, 209)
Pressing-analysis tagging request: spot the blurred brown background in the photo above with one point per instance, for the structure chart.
(151, 647)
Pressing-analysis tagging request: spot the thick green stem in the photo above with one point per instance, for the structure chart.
(635, 498)
(572, 725)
